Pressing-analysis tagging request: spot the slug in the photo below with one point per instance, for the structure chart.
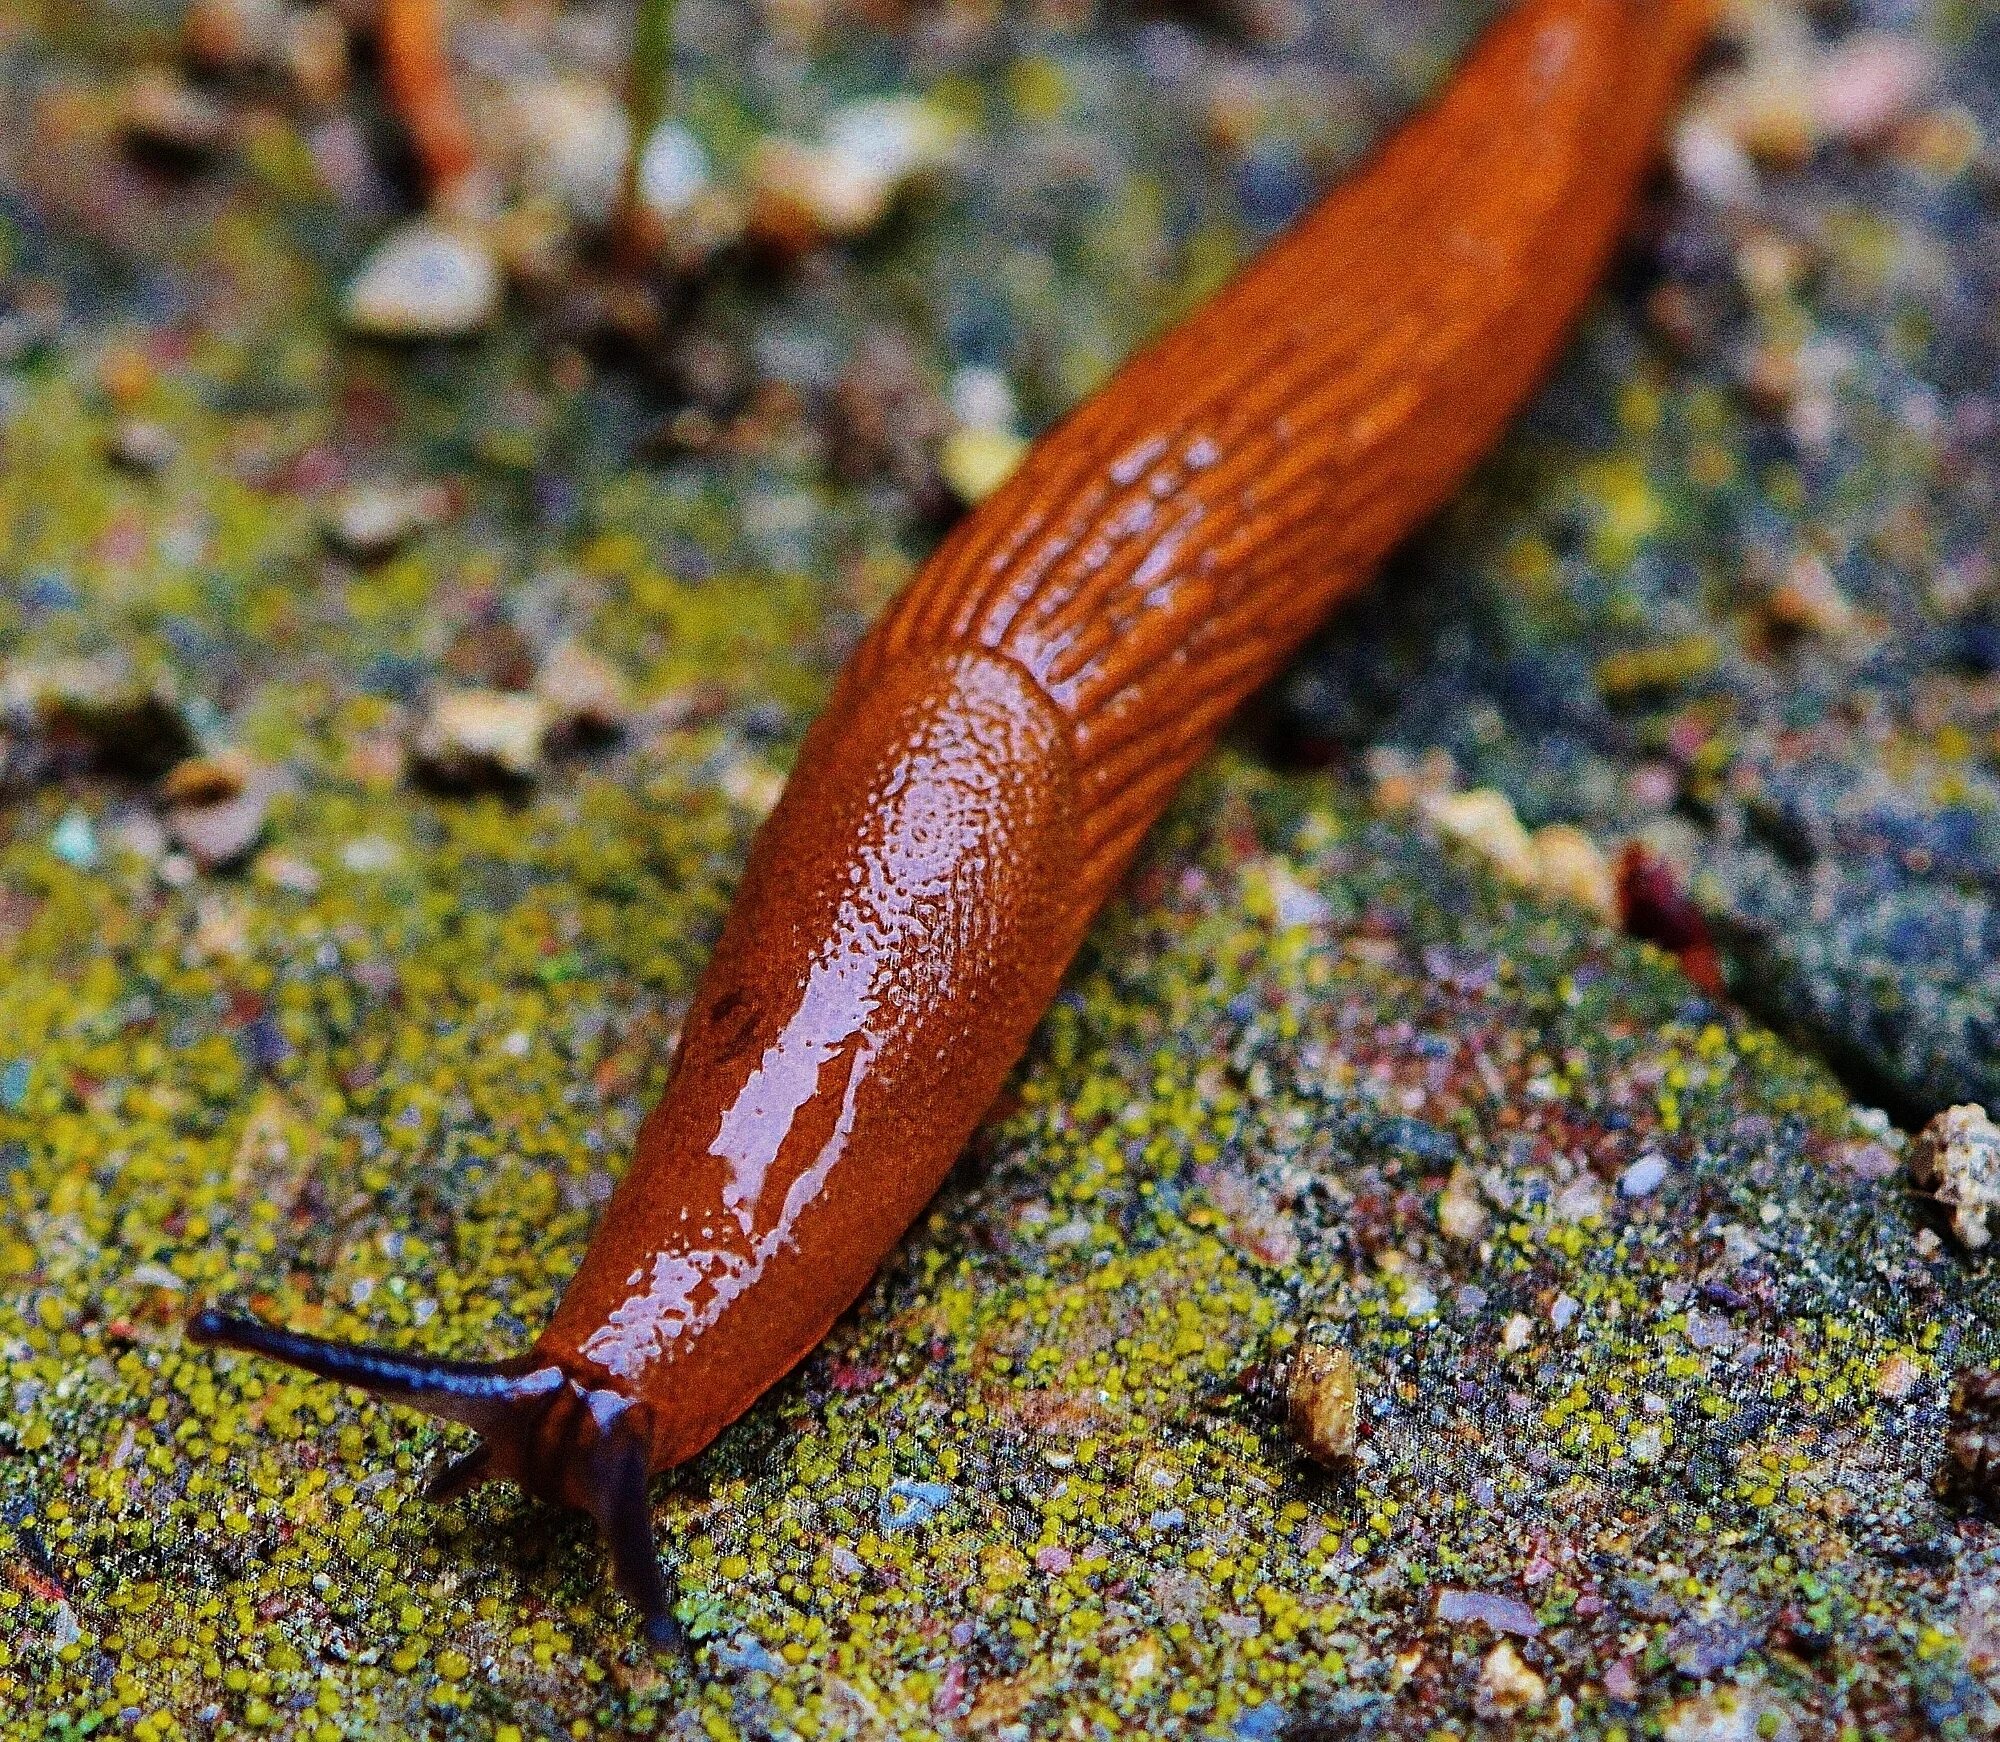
(1004, 735)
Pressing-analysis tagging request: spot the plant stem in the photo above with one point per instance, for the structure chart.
(648, 86)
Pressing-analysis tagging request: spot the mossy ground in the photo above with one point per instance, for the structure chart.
(1674, 1383)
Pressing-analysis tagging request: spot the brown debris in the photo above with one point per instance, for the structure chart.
(1320, 1403)
(1956, 1160)
(1971, 1472)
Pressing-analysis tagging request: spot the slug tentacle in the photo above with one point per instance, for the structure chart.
(475, 1394)
(557, 1436)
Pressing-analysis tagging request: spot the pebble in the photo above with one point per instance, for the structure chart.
(574, 136)
(1493, 1609)
(673, 171)
(1570, 866)
(1460, 1213)
(1867, 82)
(803, 194)
(140, 445)
(215, 808)
(234, 35)
(424, 280)
(1320, 1403)
(1956, 1160)
(1644, 1176)
(586, 697)
(976, 462)
(161, 112)
(1507, 1686)
(1484, 820)
(74, 841)
(1809, 601)
(128, 726)
(369, 522)
(473, 739)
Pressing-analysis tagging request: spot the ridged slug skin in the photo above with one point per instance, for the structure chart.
(1001, 740)
(1003, 737)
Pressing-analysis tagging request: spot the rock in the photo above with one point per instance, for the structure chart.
(1956, 1159)
(804, 194)
(673, 171)
(1569, 866)
(574, 134)
(1320, 1403)
(976, 462)
(1867, 82)
(1460, 1213)
(1710, 163)
(1971, 1472)
(586, 697)
(1493, 1609)
(1809, 601)
(981, 398)
(425, 280)
(1644, 1176)
(233, 36)
(215, 808)
(161, 113)
(369, 522)
(316, 55)
(122, 724)
(1507, 1686)
(138, 444)
(474, 739)
(1484, 820)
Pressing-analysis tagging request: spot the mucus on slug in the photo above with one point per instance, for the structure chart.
(1005, 734)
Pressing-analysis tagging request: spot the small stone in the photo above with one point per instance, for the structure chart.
(315, 54)
(474, 739)
(1507, 1686)
(804, 194)
(1809, 601)
(976, 462)
(124, 725)
(234, 35)
(1484, 820)
(1867, 82)
(1956, 1159)
(1570, 866)
(673, 171)
(424, 280)
(981, 398)
(1492, 1609)
(369, 522)
(1971, 1472)
(1321, 1403)
(586, 696)
(140, 445)
(1711, 163)
(574, 134)
(74, 841)
(160, 112)
(1644, 1176)
(215, 808)
(1460, 1213)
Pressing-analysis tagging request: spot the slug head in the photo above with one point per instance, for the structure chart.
(540, 1427)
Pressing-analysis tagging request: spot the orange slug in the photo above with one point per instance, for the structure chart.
(412, 44)
(1005, 734)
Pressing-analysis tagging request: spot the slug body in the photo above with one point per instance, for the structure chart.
(1003, 737)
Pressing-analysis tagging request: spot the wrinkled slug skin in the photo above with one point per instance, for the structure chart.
(1003, 737)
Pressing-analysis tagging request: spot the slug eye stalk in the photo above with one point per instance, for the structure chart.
(558, 1439)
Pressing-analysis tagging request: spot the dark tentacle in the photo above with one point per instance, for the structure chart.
(477, 1394)
(616, 1498)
